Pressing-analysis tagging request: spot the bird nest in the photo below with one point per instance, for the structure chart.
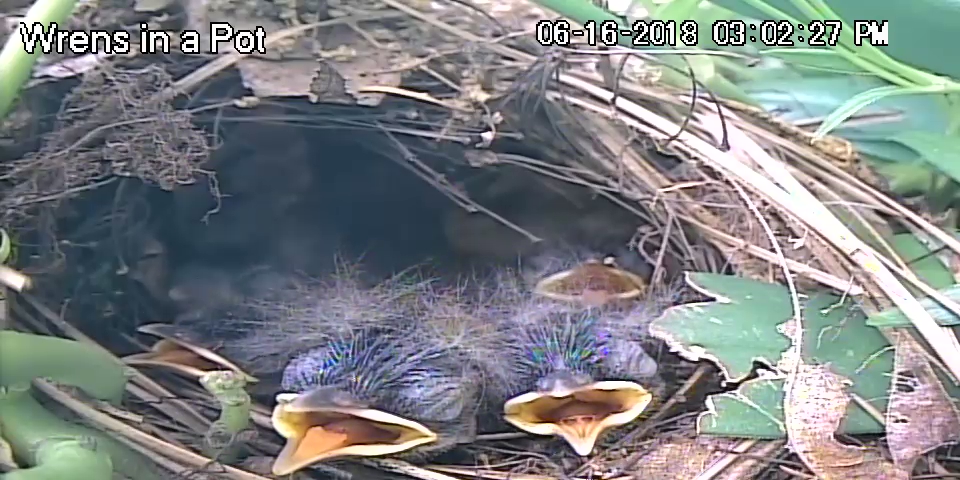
(508, 144)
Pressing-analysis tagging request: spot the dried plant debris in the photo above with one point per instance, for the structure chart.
(335, 69)
(331, 63)
(361, 59)
(113, 123)
(680, 458)
(920, 415)
(816, 402)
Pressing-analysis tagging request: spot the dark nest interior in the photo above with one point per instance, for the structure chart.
(114, 198)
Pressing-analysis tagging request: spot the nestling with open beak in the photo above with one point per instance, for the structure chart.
(394, 369)
(581, 277)
(580, 368)
(408, 386)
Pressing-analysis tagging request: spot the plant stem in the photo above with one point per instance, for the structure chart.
(16, 63)
(55, 449)
(229, 389)
(25, 356)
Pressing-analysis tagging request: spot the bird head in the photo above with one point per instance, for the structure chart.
(407, 383)
(576, 373)
(578, 370)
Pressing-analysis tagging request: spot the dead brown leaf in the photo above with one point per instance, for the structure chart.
(330, 65)
(920, 415)
(815, 404)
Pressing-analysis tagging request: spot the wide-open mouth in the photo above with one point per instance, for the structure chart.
(579, 415)
(592, 282)
(315, 434)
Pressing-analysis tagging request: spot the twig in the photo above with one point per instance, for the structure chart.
(799, 203)
(13, 279)
(761, 253)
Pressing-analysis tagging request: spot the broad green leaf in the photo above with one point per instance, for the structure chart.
(793, 99)
(921, 260)
(818, 96)
(741, 327)
(915, 27)
(753, 410)
(939, 150)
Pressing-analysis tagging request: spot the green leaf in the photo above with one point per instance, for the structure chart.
(939, 150)
(794, 99)
(676, 10)
(894, 317)
(737, 329)
(915, 26)
(819, 60)
(742, 327)
(860, 101)
(922, 261)
(835, 332)
(753, 410)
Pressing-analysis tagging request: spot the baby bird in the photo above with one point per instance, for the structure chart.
(578, 366)
(408, 386)
(592, 281)
(393, 369)
(202, 294)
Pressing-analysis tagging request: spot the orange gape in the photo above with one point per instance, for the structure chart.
(338, 434)
(317, 440)
(595, 276)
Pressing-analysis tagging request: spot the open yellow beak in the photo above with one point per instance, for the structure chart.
(593, 283)
(578, 415)
(180, 355)
(316, 432)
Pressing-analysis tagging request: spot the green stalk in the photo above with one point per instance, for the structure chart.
(55, 449)
(871, 54)
(24, 357)
(580, 11)
(15, 63)
(228, 388)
